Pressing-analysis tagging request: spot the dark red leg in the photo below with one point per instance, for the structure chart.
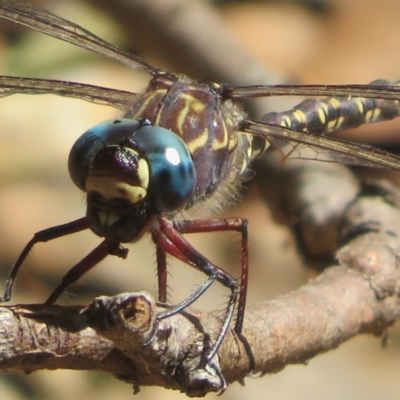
(162, 274)
(86, 264)
(42, 236)
(169, 247)
(220, 225)
(228, 224)
(170, 239)
(164, 245)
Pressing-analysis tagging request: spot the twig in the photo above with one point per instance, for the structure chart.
(361, 295)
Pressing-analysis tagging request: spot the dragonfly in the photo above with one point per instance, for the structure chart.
(183, 147)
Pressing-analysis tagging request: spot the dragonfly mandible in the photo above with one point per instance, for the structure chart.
(182, 146)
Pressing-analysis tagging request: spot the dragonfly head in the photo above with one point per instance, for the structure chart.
(131, 171)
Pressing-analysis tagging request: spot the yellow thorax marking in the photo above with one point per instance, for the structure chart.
(191, 109)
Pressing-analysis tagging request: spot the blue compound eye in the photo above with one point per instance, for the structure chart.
(99, 136)
(172, 179)
(172, 172)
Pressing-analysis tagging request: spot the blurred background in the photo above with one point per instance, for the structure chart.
(314, 41)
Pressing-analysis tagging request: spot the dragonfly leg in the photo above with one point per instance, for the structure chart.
(228, 224)
(171, 248)
(40, 237)
(170, 239)
(162, 274)
(92, 259)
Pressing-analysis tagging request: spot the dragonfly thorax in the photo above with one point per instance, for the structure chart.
(207, 124)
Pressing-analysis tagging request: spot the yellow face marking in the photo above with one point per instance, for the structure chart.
(143, 173)
(111, 188)
(128, 149)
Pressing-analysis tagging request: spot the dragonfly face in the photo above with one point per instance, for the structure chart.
(131, 172)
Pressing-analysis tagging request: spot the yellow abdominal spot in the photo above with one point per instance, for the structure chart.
(372, 114)
(360, 106)
(300, 116)
(335, 103)
(322, 113)
(286, 122)
(334, 123)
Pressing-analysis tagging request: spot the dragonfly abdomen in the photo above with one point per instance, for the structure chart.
(327, 115)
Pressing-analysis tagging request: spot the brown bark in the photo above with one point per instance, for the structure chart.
(360, 295)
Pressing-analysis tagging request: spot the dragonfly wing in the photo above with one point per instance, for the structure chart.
(10, 85)
(379, 89)
(52, 25)
(302, 145)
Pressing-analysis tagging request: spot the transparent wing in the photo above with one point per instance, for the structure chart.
(290, 143)
(10, 85)
(301, 145)
(50, 24)
(55, 26)
(389, 91)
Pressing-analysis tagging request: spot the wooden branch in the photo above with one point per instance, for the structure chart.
(109, 334)
(358, 296)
